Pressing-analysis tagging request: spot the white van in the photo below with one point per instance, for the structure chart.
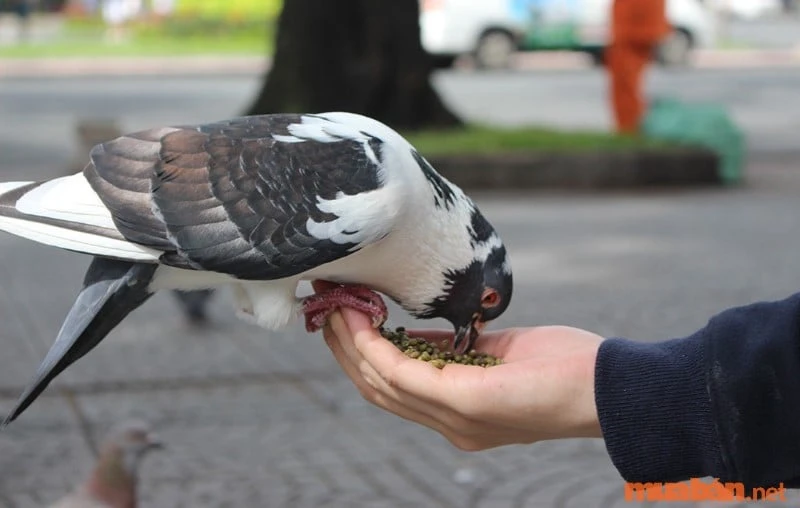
(492, 30)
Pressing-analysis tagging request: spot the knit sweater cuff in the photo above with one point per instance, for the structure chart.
(654, 409)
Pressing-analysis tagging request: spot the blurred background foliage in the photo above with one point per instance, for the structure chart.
(194, 27)
(229, 9)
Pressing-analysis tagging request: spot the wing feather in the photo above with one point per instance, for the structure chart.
(249, 197)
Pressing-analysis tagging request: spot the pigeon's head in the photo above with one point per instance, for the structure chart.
(479, 292)
(128, 443)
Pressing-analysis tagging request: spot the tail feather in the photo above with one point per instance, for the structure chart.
(111, 290)
(66, 212)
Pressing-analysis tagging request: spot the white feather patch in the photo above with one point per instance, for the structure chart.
(361, 123)
(362, 218)
(312, 131)
(287, 139)
(483, 249)
(77, 240)
(273, 303)
(68, 198)
(324, 130)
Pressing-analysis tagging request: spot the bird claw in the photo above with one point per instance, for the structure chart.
(318, 307)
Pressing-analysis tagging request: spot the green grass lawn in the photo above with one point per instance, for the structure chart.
(139, 48)
(476, 139)
(180, 36)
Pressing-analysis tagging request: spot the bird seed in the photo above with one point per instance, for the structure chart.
(421, 349)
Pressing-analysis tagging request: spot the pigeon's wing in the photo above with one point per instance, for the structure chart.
(260, 197)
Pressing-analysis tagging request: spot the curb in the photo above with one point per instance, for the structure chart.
(673, 168)
(652, 167)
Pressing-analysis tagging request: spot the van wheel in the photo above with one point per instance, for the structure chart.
(494, 50)
(597, 57)
(675, 50)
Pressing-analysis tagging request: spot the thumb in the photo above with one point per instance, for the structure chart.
(356, 321)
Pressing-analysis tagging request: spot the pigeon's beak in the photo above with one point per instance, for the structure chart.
(467, 335)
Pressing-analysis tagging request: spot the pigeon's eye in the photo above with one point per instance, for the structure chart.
(490, 299)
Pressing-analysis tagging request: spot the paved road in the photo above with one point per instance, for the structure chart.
(264, 419)
(767, 32)
(763, 101)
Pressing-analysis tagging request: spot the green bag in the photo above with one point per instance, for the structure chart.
(706, 125)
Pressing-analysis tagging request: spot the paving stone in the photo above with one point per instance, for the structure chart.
(255, 418)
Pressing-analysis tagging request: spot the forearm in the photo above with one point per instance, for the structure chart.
(723, 402)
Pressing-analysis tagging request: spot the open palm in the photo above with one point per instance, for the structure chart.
(544, 390)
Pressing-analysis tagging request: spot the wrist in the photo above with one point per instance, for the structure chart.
(586, 421)
(570, 408)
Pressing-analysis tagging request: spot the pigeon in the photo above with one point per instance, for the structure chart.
(259, 204)
(112, 482)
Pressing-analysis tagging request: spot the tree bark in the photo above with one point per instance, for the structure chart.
(361, 56)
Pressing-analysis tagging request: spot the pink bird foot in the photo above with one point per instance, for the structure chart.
(319, 306)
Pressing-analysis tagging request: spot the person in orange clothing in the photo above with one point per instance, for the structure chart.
(637, 27)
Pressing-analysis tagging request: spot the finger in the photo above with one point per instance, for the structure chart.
(369, 384)
(422, 400)
(346, 324)
(373, 388)
(440, 394)
(394, 368)
(356, 321)
(344, 339)
(344, 334)
(343, 329)
(350, 369)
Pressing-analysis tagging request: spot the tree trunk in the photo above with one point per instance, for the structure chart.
(361, 56)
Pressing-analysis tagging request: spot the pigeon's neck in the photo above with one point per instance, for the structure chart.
(111, 482)
(411, 264)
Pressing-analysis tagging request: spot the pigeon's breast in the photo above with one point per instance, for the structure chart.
(401, 266)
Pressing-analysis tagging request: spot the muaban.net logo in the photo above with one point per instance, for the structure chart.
(699, 490)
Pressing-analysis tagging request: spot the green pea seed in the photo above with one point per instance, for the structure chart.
(419, 348)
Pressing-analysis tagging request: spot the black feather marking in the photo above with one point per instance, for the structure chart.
(443, 194)
(480, 230)
(463, 290)
(376, 145)
(111, 290)
(460, 287)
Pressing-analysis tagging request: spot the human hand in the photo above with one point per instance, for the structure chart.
(543, 390)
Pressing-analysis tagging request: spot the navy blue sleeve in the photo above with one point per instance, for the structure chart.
(723, 402)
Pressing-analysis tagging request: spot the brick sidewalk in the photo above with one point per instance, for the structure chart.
(253, 418)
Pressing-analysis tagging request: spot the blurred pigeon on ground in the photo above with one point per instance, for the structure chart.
(258, 204)
(112, 481)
